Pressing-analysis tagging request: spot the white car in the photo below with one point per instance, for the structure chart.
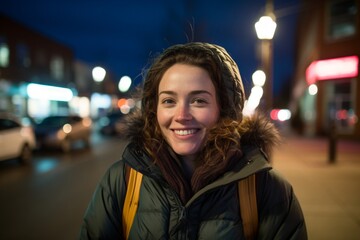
(16, 140)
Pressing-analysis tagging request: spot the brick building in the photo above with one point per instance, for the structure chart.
(326, 94)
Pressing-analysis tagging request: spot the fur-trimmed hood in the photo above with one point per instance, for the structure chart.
(254, 130)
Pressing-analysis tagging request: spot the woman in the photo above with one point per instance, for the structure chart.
(193, 145)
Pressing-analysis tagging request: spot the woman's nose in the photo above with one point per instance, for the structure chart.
(183, 113)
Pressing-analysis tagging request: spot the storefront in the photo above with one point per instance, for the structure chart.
(38, 100)
(334, 106)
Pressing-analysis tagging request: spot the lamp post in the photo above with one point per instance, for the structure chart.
(98, 74)
(265, 30)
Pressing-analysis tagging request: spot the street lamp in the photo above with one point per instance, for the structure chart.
(265, 27)
(259, 78)
(98, 74)
(124, 83)
(265, 30)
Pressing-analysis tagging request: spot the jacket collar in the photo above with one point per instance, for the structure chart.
(255, 130)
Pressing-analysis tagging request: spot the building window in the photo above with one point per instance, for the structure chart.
(4, 53)
(57, 67)
(40, 58)
(22, 55)
(341, 109)
(342, 18)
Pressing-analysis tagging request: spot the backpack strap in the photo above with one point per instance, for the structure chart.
(246, 193)
(133, 183)
(248, 206)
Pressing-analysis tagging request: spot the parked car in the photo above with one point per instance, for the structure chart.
(63, 131)
(108, 124)
(16, 140)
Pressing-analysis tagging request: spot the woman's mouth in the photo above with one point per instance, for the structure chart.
(185, 132)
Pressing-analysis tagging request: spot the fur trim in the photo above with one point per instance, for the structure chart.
(255, 130)
(260, 131)
(132, 125)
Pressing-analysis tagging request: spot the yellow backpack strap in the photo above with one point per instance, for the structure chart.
(131, 200)
(248, 206)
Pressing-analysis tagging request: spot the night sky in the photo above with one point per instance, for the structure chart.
(122, 36)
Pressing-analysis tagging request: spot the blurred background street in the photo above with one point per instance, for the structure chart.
(70, 70)
(329, 193)
(47, 199)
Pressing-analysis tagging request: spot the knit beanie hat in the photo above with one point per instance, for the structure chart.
(230, 86)
(230, 78)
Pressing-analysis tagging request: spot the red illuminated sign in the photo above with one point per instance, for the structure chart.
(345, 67)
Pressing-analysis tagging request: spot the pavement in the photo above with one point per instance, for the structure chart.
(329, 193)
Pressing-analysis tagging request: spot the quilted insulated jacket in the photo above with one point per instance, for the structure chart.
(212, 213)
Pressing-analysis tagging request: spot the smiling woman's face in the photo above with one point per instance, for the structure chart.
(187, 107)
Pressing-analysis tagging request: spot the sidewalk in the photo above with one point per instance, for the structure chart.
(328, 193)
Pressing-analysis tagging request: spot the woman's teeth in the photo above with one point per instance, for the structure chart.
(185, 132)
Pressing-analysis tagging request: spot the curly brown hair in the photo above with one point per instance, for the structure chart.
(222, 146)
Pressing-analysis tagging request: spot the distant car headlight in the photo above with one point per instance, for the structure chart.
(67, 128)
(64, 131)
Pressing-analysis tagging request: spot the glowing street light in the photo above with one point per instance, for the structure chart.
(265, 30)
(124, 83)
(265, 27)
(98, 74)
(313, 89)
(259, 78)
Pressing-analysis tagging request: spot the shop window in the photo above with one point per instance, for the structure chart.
(341, 106)
(4, 53)
(342, 18)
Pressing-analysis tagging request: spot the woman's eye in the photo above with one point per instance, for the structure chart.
(167, 101)
(199, 101)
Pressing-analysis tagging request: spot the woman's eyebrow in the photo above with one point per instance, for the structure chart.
(195, 92)
(167, 92)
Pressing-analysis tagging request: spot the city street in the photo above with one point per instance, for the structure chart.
(47, 200)
(84, 65)
(329, 193)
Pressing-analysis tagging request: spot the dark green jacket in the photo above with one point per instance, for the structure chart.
(212, 213)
